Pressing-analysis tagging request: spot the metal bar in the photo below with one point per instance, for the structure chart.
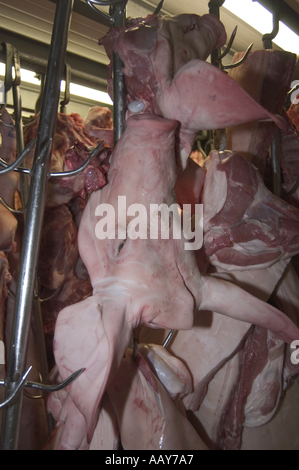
(24, 183)
(40, 66)
(33, 226)
(268, 38)
(118, 12)
(275, 164)
(219, 135)
(287, 15)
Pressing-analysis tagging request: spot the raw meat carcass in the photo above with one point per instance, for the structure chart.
(71, 139)
(59, 248)
(266, 76)
(155, 48)
(166, 73)
(128, 275)
(149, 419)
(98, 123)
(245, 225)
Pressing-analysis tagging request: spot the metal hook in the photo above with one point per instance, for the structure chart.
(37, 386)
(168, 339)
(159, 8)
(16, 391)
(293, 190)
(57, 387)
(229, 45)
(8, 80)
(101, 13)
(19, 160)
(233, 66)
(12, 126)
(13, 211)
(76, 172)
(57, 291)
(267, 38)
(67, 92)
(215, 4)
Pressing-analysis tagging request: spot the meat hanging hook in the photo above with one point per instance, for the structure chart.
(293, 190)
(159, 7)
(14, 166)
(268, 38)
(38, 386)
(240, 62)
(169, 338)
(108, 3)
(16, 391)
(229, 45)
(13, 211)
(67, 92)
(81, 168)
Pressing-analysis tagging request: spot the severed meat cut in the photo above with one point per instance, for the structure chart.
(245, 225)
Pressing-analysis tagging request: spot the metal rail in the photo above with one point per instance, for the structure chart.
(33, 225)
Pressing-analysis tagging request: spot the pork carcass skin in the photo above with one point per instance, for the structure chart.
(167, 73)
(266, 76)
(245, 225)
(149, 419)
(130, 286)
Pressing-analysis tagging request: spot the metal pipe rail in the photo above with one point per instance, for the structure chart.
(33, 225)
(40, 66)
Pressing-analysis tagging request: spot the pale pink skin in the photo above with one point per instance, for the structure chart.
(152, 282)
(165, 68)
(148, 417)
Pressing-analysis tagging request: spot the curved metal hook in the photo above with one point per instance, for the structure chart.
(13, 211)
(229, 45)
(233, 66)
(293, 190)
(215, 3)
(17, 390)
(267, 38)
(57, 387)
(64, 174)
(55, 293)
(37, 386)
(14, 166)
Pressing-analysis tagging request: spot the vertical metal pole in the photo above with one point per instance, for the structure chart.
(219, 135)
(33, 225)
(275, 147)
(275, 164)
(118, 13)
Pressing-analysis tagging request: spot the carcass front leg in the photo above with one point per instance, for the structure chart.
(224, 297)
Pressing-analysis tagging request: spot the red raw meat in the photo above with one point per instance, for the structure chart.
(245, 225)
